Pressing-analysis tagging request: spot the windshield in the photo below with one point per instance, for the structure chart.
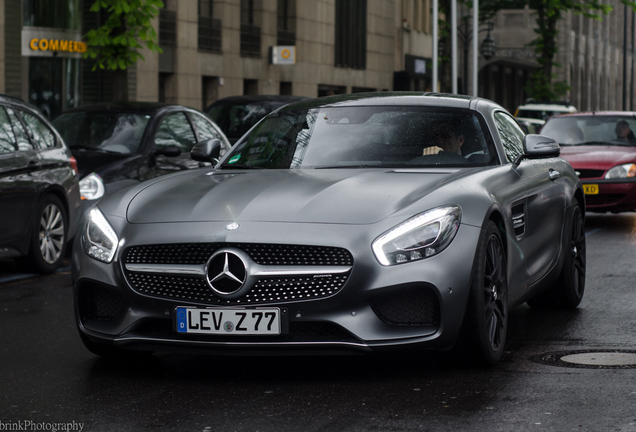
(235, 120)
(356, 137)
(103, 131)
(592, 129)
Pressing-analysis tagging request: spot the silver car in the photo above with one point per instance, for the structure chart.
(353, 223)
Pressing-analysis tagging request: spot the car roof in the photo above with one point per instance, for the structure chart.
(256, 99)
(599, 113)
(136, 107)
(547, 107)
(387, 99)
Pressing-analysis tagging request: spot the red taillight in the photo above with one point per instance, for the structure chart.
(74, 165)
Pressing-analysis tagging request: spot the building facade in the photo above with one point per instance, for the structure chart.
(591, 58)
(218, 48)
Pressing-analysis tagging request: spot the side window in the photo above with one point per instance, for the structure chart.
(207, 131)
(22, 138)
(175, 130)
(511, 135)
(7, 138)
(41, 134)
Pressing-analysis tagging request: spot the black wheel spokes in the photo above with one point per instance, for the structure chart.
(494, 293)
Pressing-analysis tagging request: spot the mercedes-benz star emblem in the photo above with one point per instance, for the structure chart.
(226, 273)
(232, 226)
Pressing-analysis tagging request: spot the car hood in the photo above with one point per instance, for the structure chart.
(95, 161)
(306, 196)
(598, 157)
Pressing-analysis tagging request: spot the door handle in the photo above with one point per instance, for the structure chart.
(554, 174)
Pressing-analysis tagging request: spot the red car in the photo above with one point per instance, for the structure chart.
(601, 147)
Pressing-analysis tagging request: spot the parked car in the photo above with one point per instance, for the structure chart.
(235, 115)
(602, 149)
(538, 113)
(39, 192)
(119, 145)
(353, 222)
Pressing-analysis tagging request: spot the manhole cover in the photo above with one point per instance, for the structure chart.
(590, 359)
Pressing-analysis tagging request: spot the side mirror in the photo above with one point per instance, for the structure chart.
(206, 151)
(539, 147)
(170, 151)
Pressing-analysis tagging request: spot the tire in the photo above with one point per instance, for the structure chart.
(483, 334)
(49, 236)
(570, 286)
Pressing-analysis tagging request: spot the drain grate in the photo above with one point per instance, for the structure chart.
(590, 359)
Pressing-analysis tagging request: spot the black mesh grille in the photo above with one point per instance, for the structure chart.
(590, 173)
(266, 290)
(102, 304)
(414, 307)
(298, 331)
(263, 254)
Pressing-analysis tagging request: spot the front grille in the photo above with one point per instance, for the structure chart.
(267, 290)
(298, 332)
(263, 254)
(98, 303)
(279, 289)
(603, 199)
(413, 307)
(589, 173)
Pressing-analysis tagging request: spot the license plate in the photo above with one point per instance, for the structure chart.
(590, 189)
(228, 321)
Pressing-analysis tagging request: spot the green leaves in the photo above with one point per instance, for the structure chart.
(115, 44)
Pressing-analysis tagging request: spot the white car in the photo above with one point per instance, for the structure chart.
(537, 113)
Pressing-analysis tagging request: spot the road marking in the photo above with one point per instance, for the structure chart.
(28, 275)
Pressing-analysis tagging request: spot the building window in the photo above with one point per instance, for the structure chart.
(351, 34)
(167, 27)
(285, 88)
(61, 14)
(209, 27)
(286, 22)
(250, 87)
(250, 31)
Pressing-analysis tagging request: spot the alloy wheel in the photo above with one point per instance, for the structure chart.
(495, 293)
(51, 233)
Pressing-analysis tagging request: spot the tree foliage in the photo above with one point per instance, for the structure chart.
(549, 13)
(127, 28)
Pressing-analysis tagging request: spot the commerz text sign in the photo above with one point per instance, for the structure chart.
(44, 42)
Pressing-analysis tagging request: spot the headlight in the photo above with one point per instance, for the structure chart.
(99, 239)
(420, 237)
(91, 187)
(622, 171)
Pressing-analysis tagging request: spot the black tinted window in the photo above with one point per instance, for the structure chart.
(114, 132)
(39, 131)
(21, 136)
(175, 130)
(7, 138)
(511, 135)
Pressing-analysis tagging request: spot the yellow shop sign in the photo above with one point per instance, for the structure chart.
(56, 45)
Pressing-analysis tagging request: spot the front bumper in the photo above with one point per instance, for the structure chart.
(419, 304)
(612, 196)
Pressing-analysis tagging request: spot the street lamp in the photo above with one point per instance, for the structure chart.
(487, 49)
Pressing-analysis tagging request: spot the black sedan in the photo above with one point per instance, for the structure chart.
(358, 222)
(119, 145)
(235, 115)
(39, 192)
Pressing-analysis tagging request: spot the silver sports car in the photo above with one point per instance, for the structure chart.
(357, 222)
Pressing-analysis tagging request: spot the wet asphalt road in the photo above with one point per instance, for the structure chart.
(48, 377)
